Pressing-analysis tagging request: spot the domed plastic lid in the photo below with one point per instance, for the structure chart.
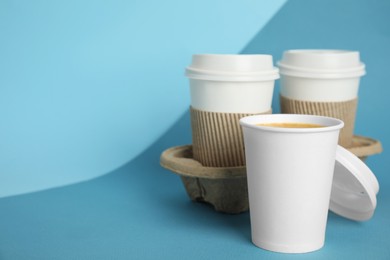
(321, 64)
(354, 187)
(232, 67)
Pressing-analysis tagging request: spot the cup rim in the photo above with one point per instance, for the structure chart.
(329, 123)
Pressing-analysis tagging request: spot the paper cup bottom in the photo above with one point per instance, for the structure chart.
(217, 138)
(344, 110)
(281, 248)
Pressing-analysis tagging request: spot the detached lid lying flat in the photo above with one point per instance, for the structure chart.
(354, 187)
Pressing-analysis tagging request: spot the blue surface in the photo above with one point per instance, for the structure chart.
(141, 211)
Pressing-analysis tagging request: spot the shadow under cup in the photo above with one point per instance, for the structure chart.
(289, 173)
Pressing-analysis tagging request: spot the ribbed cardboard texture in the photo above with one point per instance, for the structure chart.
(345, 110)
(217, 138)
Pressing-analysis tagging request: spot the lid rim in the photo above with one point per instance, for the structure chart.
(359, 67)
(356, 169)
(304, 72)
(358, 215)
(267, 75)
(322, 76)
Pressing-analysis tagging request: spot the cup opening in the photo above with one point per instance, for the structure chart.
(326, 123)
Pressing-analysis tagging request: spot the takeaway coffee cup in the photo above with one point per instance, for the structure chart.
(290, 172)
(225, 88)
(322, 82)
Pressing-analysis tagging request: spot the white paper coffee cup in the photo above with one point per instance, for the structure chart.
(289, 173)
(232, 83)
(320, 75)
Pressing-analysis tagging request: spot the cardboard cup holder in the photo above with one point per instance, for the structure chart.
(225, 188)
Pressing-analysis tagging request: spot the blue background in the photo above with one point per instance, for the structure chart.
(94, 88)
(86, 86)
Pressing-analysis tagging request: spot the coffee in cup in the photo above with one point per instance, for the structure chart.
(291, 125)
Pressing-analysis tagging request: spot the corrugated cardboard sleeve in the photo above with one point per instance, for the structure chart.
(217, 138)
(345, 110)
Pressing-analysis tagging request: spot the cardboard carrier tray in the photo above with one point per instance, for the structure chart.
(225, 188)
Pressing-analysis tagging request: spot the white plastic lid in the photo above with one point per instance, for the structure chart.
(322, 64)
(232, 67)
(354, 187)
